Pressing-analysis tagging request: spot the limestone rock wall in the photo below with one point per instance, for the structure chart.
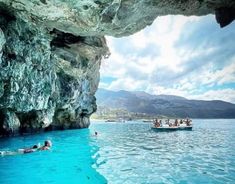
(50, 54)
(111, 17)
(47, 79)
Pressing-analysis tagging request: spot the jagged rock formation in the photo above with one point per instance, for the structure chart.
(50, 53)
(106, 17)
(47, 79)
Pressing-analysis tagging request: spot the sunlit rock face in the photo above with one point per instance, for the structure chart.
(77, 68)
(47, 79)
(50, 54)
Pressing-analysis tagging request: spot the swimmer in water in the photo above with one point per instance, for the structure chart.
(29, 150)
(47, 145)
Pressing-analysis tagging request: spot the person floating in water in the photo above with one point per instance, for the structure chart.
(47, 145)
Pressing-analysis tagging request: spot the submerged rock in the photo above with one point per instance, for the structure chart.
(50, 54)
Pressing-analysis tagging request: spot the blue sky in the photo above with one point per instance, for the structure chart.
(177, 55)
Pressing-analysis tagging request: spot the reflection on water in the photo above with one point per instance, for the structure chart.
(126, 153)
(137, 154)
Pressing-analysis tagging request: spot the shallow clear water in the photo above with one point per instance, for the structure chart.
(125, 153)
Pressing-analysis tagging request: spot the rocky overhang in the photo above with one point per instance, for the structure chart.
(51, 51)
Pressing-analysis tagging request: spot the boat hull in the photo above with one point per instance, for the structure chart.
(171, 128)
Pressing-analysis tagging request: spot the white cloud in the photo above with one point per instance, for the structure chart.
(223, 94)
(103, 85)
(129, 84)
(158, 61)
(226, 75)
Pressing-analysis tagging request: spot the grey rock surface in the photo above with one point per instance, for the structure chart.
(50, 54)
(10, 123)
(47, 79)
(107, 17)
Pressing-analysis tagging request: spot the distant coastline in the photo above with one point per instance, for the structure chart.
(151, 119)
(141, 105)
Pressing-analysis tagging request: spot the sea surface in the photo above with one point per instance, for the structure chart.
(125, 153)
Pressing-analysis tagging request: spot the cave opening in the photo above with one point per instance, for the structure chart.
(176, 59)
(62, 39)
(6, 16)
(27, 121)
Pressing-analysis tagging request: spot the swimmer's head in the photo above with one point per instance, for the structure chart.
(48, 143)
(96, 133)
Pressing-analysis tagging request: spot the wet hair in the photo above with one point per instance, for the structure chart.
(35, 146)
(47, 143)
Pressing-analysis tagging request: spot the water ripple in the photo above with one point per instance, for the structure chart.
(126, 153)
(138, 155)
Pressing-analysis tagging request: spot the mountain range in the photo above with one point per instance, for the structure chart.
(164, 105)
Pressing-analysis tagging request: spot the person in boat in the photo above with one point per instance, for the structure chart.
(156, 123)
(169, 123)
(188, 122)
(176, 122)
(181, 121)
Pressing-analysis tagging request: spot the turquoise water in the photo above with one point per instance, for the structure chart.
(125, 153)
